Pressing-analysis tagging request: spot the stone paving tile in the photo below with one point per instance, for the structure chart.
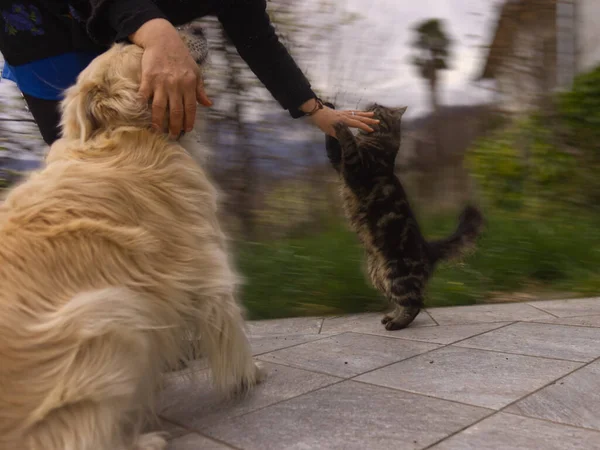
(348, 416)
(573, 400)
(584, 321)
(540, 339)
(269, 343)
(194, 441)
(472, 376)
(570, 308)
(348, 354)
(197, 405)
(509, 432)
(447, 334)
(294, 325)
(370, 323)
(507, 312)
(494, 364)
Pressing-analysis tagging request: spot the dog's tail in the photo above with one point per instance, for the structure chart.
(469, 228)
(97, 348)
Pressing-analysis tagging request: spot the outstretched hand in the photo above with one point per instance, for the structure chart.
(326, 118)
(171, 78)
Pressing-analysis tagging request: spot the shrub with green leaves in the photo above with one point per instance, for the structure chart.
(548, 160)
(579, 126)
(524, 166)
(579, 113)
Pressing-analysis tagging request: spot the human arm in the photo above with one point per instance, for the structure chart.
(248, 25)
(169, 73)
(115, 20)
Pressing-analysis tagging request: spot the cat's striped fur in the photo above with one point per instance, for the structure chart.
(399, 259)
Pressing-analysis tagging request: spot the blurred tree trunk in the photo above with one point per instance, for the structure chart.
(432, 53)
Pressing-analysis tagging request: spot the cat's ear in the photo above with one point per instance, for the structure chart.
(400, 111)
(397, 113)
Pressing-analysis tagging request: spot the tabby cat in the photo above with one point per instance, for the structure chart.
(399, 259)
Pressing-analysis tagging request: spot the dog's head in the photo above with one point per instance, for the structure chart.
(106, 95)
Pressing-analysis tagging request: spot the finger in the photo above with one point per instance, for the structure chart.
(359, 113)
(366, 120)
(145, 89)
(176, 112)
(201, 94)
(363, 119)
(354, 123)
(159, 107)
(189, 104)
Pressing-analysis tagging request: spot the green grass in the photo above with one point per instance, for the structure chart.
(519, 254)
(321, 274)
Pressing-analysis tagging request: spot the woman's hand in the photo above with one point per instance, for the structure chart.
(170, 76)
(326, 118)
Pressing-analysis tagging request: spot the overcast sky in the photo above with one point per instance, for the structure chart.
(384, 33)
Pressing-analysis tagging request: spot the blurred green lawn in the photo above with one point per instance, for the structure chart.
(322, 274)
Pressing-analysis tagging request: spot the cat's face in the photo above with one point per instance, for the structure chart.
(390, 119)
(388, 131)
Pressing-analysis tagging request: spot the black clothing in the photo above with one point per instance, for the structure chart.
(37, 29)
(47, 117)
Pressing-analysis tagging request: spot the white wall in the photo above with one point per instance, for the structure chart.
(588, 36)
(525, 73)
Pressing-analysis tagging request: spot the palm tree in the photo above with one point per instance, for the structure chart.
(432, 53)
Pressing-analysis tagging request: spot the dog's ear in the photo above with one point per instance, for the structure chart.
(90, 107)
(80, 111)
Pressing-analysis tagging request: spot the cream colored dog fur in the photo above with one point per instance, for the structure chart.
(111, 257)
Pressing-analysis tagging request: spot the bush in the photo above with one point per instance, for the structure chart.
(548, 161)
(579, 113)
(578, 122)
(524, 166)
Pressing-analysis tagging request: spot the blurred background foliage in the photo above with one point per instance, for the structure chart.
(533, 169)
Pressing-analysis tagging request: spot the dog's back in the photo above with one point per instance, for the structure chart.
(103, 256)
(95, 218)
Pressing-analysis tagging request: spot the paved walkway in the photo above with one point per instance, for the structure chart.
(502, 376)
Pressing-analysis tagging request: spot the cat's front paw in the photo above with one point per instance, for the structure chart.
(342, 132)
(339, 126)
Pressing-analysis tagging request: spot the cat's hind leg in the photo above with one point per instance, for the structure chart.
(406, 295)
(400, 317)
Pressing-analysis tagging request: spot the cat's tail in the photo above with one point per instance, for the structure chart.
(470, 225)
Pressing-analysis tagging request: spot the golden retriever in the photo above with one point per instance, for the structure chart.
(111, 258)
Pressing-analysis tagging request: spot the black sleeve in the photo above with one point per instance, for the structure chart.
(249, 27)
(114, 20)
